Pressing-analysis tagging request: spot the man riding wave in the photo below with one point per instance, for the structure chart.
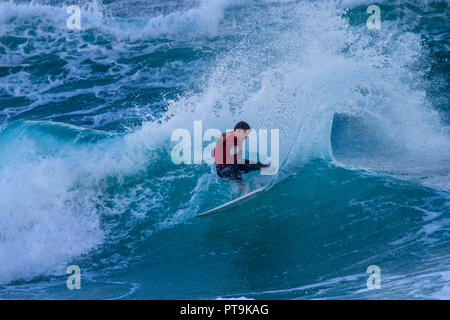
(228, 155)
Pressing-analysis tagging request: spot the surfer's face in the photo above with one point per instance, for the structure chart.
(242, 134)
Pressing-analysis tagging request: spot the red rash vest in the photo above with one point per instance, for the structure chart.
(226, 149)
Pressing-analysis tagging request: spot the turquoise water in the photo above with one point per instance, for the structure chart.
(86, 176)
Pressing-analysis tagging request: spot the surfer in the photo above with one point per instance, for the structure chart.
(228, 155)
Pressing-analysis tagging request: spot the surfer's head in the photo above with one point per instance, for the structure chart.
(242, 129)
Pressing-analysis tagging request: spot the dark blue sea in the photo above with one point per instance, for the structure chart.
(87, 177)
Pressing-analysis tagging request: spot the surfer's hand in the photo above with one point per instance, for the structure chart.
(268, 170)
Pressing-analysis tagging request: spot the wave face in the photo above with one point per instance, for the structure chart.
(86, 177)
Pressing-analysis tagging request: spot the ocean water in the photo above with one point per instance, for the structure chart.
(86, 177)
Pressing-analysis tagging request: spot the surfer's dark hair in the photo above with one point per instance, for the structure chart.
(242, 125)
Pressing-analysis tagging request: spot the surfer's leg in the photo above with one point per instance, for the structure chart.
(230, 172)
(219, 171)
(237, 176)
(248, 167)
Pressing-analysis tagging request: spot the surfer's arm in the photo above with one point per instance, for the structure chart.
(239, 155)
(219, 138)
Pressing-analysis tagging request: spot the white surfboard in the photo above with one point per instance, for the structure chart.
(232, 204)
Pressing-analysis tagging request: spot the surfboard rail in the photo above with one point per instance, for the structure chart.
(233, 203)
